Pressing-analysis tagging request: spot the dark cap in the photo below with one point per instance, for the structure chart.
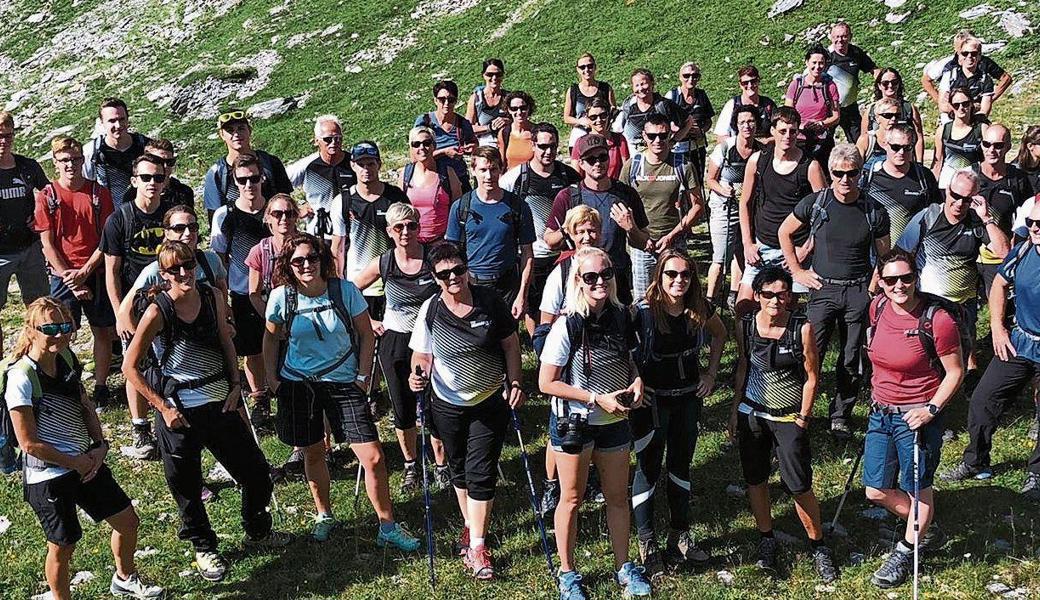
(362, 149)
(590, 142)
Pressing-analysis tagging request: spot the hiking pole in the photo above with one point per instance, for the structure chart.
(917, 510)
(421, 400)
(848, 486)
(532, 494)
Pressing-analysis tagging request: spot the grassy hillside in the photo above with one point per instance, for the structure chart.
(372, 63)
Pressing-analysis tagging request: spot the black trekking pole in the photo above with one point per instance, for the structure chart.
(848, 487)
(421, 401)
(532, 494)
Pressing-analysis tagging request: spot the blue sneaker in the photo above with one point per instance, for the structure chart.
(633, 581)
(570, 586)
(399, 537)
(323, 526)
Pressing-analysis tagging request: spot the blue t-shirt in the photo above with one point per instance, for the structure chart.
(1024, 274)
(490, 240)
(318, 338)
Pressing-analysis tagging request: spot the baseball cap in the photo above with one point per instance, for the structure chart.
(590, 142)
(362, 149)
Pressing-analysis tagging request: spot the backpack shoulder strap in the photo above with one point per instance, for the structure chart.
(576, 336)
(794, 333)
(168, 312)
(200, 257)
(747, 328)
(635, 169)
(292, 307)
(818, 214)
(465, 205)
(799, 87)
(385, 261)
(574, 198)
(406, 177)
(53, 200)
(335, 287)
(523, 181)
(431, 313)
(442, 173)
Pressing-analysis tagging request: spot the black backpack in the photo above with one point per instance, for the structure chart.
(578, 328)
(926, 326)
(142, 300)
(6, 425)
(167, 386)
(793, 333)
(646, 332)
(292, 301)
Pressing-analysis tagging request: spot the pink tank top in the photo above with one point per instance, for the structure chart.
(433, 204)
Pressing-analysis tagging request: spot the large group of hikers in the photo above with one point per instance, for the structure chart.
(430, 286)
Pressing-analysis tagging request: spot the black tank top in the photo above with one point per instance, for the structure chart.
(777, 197)
(776, 371)
(962, 153)
(405, 293)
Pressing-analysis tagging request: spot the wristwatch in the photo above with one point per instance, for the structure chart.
(933, 409)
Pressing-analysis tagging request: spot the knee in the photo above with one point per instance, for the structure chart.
(875, 495)
(61, 552)
(314, 455)
(128, 522)
(374, 459)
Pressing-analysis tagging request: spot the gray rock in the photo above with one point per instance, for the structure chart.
(894, 3)
(896, 18)
(1015, 24)
(976, 11)
(997, 588)
(725, 577)
(783, 6)
(278, 106)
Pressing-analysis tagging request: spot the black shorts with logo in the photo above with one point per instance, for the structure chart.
(54, 501)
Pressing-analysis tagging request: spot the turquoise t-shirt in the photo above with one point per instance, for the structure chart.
(318, 338)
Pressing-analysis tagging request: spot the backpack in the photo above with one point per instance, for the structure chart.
(515, 209)
(6, 425)
(818, 214)
(800, 87)
(578, 328)
(922, 180)
(792, 335)
(931, 216)
(925, 326)
(442, 175)
(224, 174)
(54, 202)
(765, 107)
(646, 336)
(292, 300)
(765, 158)
(142, 300)
(138, 142)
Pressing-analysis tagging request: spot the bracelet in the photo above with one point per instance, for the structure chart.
(592, 400)
(989, 221)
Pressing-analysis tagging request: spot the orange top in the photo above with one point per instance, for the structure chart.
(520, 148)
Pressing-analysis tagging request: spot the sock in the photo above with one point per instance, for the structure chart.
(409, 464)
(766, 534)
(475, 542)
(325, 515)
(387, 527)
(905, 546)
(139, 422)
(552, 482)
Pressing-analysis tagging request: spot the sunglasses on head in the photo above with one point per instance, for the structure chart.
(897, 148)
(169, 162)
(653, 137)
(53, 329)
(906, 278)
(156, 177)
(180, 228)
(252, 179)
(673, 274)
(591, 277)
(691, 75)
(445, 274)
(1030, 223)
(888, 116)
(301, 261)
(851, 173)
(596, 158)
(235, 115)
(447, 99)
(329, 139)
(278, 215)
(768, 295)
(188, 266)
(587, 66)
(421, 144)
(997, 145)
(409, 225)
(961, 104)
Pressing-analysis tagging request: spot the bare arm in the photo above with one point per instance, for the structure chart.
(337, 254)
(919, 130)
(1002, 85)
(256, 296)
(998, 240)
(713, 182)
(368, 275)
(817, 179)
(929, 86)
(150, 325)
(50, 252)
(573, 121)
(366, 353)
(812, 369)
(717, 329)
(745, 207)
(526, 267)
(937, 159)
(986, 105)
(272, 340)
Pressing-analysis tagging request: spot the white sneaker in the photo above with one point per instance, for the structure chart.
(211, 565)
(134, 587)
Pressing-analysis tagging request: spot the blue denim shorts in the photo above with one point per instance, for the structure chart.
(615, 437)
(889, 452)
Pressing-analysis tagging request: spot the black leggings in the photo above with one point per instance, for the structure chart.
(669, 423)
(395, 360)
(1000, 385)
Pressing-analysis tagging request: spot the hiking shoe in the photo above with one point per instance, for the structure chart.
(550, 496)
(1034, 430)
(273, 539)
(681, 550)
(933, 539)
(570, 586)
(963, 472)
(462, 546)
(144, 443)
(399, 538)
(134, 587)
(1031, 488)
(633, 581)
(766, 554)
(479, 561)
(323, 526)
(442, 478)
(593, 490)
(410, 479)
(895, 569)
(211, 565)
(294, 464)
(840, 430)
(102, 398)
(823, 560)
(650, 556)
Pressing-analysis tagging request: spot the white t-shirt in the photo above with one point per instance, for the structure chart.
(554, 295)
(557, 351)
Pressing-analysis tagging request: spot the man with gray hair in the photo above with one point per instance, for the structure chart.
(846, 229)
(846, 62)
(323, 176)
(946, 238)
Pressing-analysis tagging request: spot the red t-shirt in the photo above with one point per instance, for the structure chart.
(903, 373)
(617, 150)
(76, 227)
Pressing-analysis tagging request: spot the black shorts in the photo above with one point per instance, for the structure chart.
(395, 361)
(98, 308)
(506, 285)
(54, 501)
(376, 307)
(304, 406)
(473, 438)
(539, 274)
(249, 326)
(758, 436)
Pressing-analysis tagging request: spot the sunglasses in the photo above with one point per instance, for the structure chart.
(653, 137)
(235, 115)
(691, 75)
(53, 329)
(156, 177)
(301, 261)
(180, 228)
(169, 162)
(592, 277)
(889, 82)
(905, 278)
(587, 66)
(596, 158)
(997, 145)
(545, 146)
(189, 267)
(888, 116)
(959, 197)
(851, 173)
(409, 225)
(278, 215)
(768, 295)
(447, 99)
(673, 274)
(1030, 223)
(421, 144)
(897, 148)
(69, 160)
(971, 53)
(963, 104)
(492, 74)
(250, 179)
(597, 117)
(520, 108)
(747, 82)
(330, 139)
(445, 274)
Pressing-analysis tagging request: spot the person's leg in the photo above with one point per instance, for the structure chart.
(316, 470)
(808, 509)
(718, 224)
(851, 322)
(822, 310)
(231, 442)
(102, 346)
(254, 370)
(1000, 384)
(181, 454)
(453, 430)
(394, 357)
(124, 540)
(487, 431)
(643, 264)
(377, 484)
(649, 427)
(881, 466)
(850, 121)
(573, 471)
(54, 503)
(613, 470)
(683, 429)
(32, 274)
(795, 458)
(56, 569)
(756, 444)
